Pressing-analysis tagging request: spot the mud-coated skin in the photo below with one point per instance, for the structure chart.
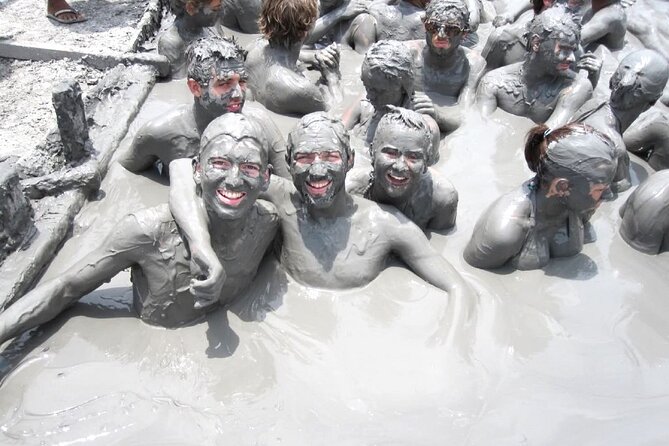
(241, 15)
(648, 137)
(605, 24)
(645, 215)
(177, 135)
(433, 205)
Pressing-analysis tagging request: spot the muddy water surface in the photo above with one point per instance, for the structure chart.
(574, 354)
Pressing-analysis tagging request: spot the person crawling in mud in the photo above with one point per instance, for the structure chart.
(400, 174)
(636, 85)
(194, 19)
(276, 78)
(645, 215)
(544, 86)
(231, 172)
(217, 79)
(331, 239)
(388, 77)
(543, 219)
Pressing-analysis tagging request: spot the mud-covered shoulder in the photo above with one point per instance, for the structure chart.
(267, 212)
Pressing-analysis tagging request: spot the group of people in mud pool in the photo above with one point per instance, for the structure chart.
(237, 186)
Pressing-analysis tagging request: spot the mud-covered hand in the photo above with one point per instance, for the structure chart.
(501, 20)
(355, 8)
(589, 62)
(328, 58)
(208, 276)
(421, 103)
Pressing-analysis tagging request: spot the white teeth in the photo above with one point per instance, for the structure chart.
(231, 194)
(319, 184)
(396, 178)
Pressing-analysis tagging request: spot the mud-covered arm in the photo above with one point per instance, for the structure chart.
(569, 101)
(411, 245)
(290, 92)
(191, 216)
(447, 118)
(143, 151)
(647, 131)
(445, 199)
(119, 250)
(513, 13)
(348, 10)
(599, 26)
(477, 66)
(498, 236)
(486, 95)
(352, 114)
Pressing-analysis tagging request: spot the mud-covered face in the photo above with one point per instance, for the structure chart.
(381, 89)
(573, 6)
(318, 166)
(558, 55)
(226, 91)
(584, 195)
(232, 174)
(636, 83)
(399, 159)
(207, 14)
(443, 35)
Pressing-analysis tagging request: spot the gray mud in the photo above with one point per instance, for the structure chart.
(575, 353)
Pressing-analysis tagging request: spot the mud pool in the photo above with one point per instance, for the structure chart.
(575, 353)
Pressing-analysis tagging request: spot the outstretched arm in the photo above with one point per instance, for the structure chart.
(569, 101)
(47, 301)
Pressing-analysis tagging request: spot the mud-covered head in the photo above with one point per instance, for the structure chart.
(400, 152)
(446, 24)
(233, 166)
(205, 12)
(287, 22)
(319, 155)
(552, 40)
(217, 74)
(572, 6)
(574, 163)
(639, 80)
(387, 73)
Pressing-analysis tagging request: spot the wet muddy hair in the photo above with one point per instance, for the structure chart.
(454, 12)
(204, 54)
(653, 87)
(319, 119)
(178, 7)
(237, 127)
(544, 154)
(552, 23)
(419, 3)
(394, 60)
(409, 119)
(285, 22)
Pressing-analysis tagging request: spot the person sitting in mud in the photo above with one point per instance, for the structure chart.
(645, 214)
(231, 172)
(241, 15)
(574, 166)
(400, 174)
(217, 80)
(543, 87)
(278, 82)
(636, 85)
(193, 20)
(332, 239)
(442, 65)
(388, 76)
(604, 24)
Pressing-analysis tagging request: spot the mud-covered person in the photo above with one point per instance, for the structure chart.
(636, 86)
(332, 239)
(276, 75)
(544, 87)
(193, 19)
(400, 175)
(335, 19)
(443, 65)
(388, 76)
(231, 172)
(604, 24)
(217, 79)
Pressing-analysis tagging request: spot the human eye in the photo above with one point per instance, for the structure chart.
(390, 152)
(414, 156)
(250, 169)
(332, 156)
(220, 163)
(305, 158)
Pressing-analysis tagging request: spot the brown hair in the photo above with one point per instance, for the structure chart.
(286, 22)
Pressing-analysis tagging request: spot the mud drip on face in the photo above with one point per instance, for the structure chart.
(580, 344)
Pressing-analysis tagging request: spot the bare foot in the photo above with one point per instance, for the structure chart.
(62, 12)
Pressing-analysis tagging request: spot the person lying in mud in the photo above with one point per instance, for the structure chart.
(400, 174)
(217, 79)
(444, 66)
(574, 166)
(232, 171)
(645, 215)
(193, 21)
(388, 76)
(604, 24)
(543, 87)
(331, 239)
(278, 83)
(636, 85)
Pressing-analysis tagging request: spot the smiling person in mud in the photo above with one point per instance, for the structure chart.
(543, 87)
(401, 176)
(232, 171)
(332, 239)
(218, 81)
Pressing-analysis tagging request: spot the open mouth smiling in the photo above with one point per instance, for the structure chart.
(235, 107)
(318, 188)
(230, 197)
(397, 181)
